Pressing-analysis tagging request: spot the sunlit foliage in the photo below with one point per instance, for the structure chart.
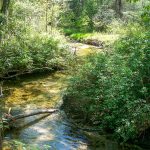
(112, 89)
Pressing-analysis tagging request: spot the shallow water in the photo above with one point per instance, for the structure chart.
(47, 132)
(52, 131)
(41, 92)
(44, 90)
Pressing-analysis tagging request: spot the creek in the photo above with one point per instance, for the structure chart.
(47, 132)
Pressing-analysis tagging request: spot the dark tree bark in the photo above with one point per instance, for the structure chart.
(118, 8)
(1, 123)
(46, 17)
(4, 10)
(82, 3)
(5, 6)
(38, 112)
(1, 130)
(1, 139)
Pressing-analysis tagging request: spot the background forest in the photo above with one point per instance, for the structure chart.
(108, 90)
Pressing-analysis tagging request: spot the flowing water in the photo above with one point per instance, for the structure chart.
(46, 132)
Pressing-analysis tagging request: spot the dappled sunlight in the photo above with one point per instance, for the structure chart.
(52, 131)
(44, 92)
(85, 52)
(107, 38)
(74, 74)
(44, 134)
(84, 49)
(37, 131)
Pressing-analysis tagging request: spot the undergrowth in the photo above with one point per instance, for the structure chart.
(112, 89)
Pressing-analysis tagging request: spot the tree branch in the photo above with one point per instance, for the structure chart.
(10, 118)
(24, 72)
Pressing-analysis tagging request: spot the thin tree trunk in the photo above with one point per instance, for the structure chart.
(20, 116)
(118, 8)
(1, 4)
(1, 123)
(4, 11)
(1, 113)
(5, 6)
(52, 15)
(46, 17)
(1, 146)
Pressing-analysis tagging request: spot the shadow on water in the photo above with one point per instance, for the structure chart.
(48, 132)
(40, 92)
(28, 124)
(52, 130)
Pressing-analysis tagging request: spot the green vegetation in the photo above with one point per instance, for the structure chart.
(16, 145)
(27, 42)
(112, 89)
(92, 15)
(24, 47)
(28, 54)
(88, 38)
(110, 84)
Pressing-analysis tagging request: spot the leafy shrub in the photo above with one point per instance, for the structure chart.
(103, 18)
(112, 90)
(127, 95)
(31, 53)
(25, 47)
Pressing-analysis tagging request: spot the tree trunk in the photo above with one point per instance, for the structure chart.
(1, 4)
(38, 112)
(1, 124)
(1, 146)
(5, 6)
(4, 11)
(118, 8)
(46, 17)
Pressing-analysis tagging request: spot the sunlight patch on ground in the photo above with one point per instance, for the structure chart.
(107, 38)
(84, 49)
(85, 52)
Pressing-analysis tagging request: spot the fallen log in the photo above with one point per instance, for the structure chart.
(10, 118)
(16, 73)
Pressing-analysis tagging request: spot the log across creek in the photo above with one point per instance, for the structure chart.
(8, 117)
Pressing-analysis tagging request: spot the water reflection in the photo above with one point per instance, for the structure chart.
(53, 131)
(48, 132)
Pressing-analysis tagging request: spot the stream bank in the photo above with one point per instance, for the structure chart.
(56, 131)
(43, 131)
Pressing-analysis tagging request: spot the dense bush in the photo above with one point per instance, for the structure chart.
(27, 54)
(24, 47)
(112, 90)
